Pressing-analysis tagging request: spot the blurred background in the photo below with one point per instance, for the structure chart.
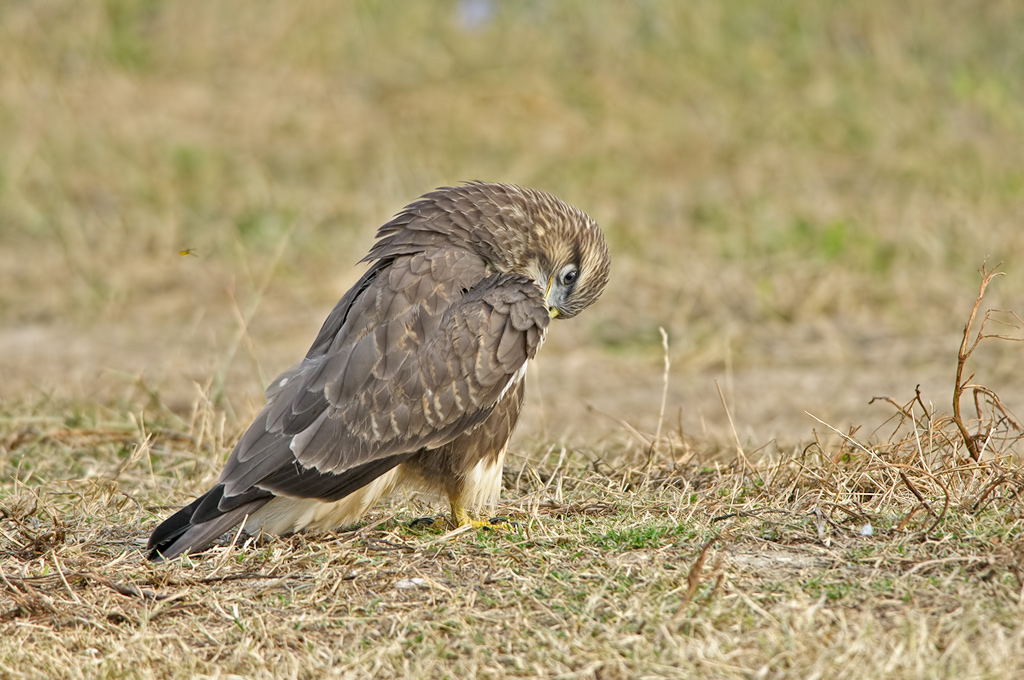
(800, 193)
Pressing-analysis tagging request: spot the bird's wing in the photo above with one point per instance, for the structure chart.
(418, 352)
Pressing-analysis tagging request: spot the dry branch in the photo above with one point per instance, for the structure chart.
(966, 349)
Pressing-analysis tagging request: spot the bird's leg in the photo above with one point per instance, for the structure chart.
(461, 518)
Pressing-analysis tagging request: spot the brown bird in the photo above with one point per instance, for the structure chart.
(417, 376)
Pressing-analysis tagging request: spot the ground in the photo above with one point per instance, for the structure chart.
(800, 197)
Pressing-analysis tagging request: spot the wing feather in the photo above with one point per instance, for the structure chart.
(422, 353)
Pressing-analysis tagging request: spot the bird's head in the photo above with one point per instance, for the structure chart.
(573, 268)
(522, 231)
(555, 244)
(567, 255)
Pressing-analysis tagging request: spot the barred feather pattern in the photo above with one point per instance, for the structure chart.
(416, 376)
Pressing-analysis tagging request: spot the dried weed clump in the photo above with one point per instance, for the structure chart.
(922, 465)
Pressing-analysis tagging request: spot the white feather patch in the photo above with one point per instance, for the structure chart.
(285, 515)
(482, 485)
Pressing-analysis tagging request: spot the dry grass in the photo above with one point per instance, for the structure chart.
(800, 194)
(895, 554)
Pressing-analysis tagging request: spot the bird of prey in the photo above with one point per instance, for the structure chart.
(417, 376)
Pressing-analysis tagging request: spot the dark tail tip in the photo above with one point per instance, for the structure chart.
(163, 538)
(196, 526)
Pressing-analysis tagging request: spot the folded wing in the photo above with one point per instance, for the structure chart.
(419, 351)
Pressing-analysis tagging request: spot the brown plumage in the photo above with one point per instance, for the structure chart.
(416, 377)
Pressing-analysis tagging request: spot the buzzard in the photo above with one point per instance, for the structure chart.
(417, 376)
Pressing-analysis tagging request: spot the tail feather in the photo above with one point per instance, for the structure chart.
(184, 531)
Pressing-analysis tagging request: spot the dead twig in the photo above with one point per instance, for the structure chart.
(971, 442)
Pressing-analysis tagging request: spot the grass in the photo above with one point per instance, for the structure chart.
(677, 567)
(588, 586)
(800, 195)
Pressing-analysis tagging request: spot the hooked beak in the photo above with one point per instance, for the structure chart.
(553, 311)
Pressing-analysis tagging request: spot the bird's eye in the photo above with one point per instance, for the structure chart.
(569, 275)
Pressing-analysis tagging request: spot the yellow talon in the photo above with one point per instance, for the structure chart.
(461, 518)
